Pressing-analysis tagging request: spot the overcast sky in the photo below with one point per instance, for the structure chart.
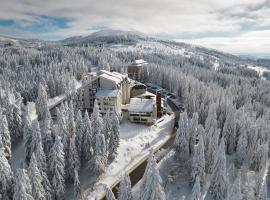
(234, 26)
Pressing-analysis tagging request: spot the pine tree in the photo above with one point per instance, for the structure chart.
(198, 163)
(263, 191)
(88, 140)
(6, 177)
(114, 137)
(242, 148)
(125, 192)
(196, 190)
(73, 161)
(219, 176)
(229, 132)
(181, 142)
(211, 151)
(96, 121)
(234, 193)
(79, 133)
(259, 161)
(15, 123)
(211, 120)
(62, 125)
(22, 188)
(42, 102)
(5, 136)
(27, 138)
(152, 189)
(35, 177)
(100, 158)
(78, 192)
(47, 139)
(37, 147)
(57, 169)
(193, 132)
(107, 128)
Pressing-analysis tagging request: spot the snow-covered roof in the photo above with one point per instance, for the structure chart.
(111, 78)
(140, 105)
(107, 93)
(139, 62)
(146, 94)
(122, 76)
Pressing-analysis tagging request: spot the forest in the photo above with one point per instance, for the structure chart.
(227, 117)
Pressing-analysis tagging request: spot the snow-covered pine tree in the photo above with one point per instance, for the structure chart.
(73, 161)
(100, 155)
(114, 137)
(96, 121)
(78, 192)
(35, 177)
(57, 169)
(198, 162)
(229, 131)
(211, 151)
(193, 132)
(263, 191)
(41, 102)
(6, 177)
(71, 126)
(107, 126)
(234, 192)
(15, 122)
(196, 190)
(47, 139)
(27, 138)
(211, 120)
(79, 133)
(125, 192)
(37, 147)
(62, 125)
(219, 177)
(181, 142)
(242, 147)
(88, 140)
(152, 188)
(260, 156)
(5, 135)
(22, 188)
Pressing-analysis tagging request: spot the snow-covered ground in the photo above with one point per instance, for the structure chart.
(176, 179)
(18, 150)
(136, 141)
(153, 47)
(260, 70)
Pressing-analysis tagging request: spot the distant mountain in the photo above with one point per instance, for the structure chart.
(6, 41)
(118, 40)
(106, 37)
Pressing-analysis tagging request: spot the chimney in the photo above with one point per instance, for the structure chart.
(158, 102)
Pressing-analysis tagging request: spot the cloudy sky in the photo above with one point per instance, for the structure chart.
(235, 26)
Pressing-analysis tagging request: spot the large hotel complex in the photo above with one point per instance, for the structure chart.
(123, 94)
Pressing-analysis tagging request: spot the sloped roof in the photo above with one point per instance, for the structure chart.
(111, 78)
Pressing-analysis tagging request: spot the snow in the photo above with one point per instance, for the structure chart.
(176, 179)
(107, 93)
(260, 70)
(135, 143)
(138, 105)
(111, 78)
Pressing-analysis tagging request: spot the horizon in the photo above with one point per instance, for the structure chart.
(236, 28)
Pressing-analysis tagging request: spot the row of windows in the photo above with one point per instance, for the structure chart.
(142, 115)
